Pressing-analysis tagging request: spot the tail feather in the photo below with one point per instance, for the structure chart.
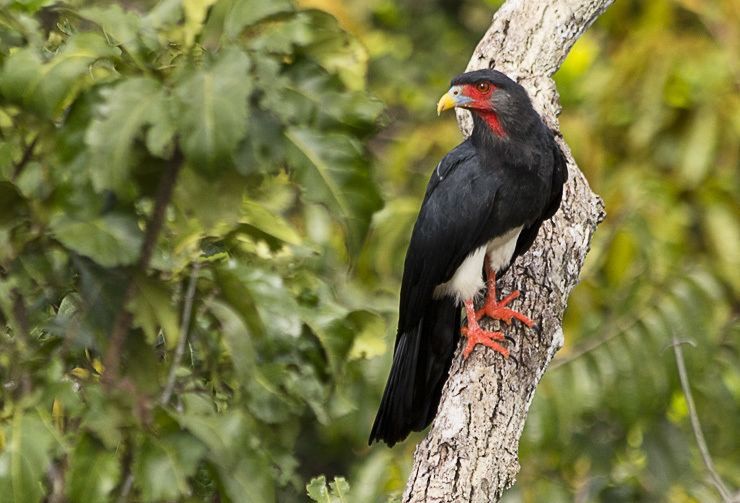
(421, 362)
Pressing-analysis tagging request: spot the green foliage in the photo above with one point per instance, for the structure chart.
(27, 451)
(650, 110)
(163, 464)
(124, 111)
(289, 216)
(255, 114)
(93, 472)
(111, 239)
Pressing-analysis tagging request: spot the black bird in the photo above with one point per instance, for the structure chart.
(485, 202)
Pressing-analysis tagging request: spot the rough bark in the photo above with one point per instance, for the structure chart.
(471, 451)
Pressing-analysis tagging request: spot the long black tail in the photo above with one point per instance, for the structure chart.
(421, 362)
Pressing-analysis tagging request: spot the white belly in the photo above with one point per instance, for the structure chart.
(501, 249)
(468, 279)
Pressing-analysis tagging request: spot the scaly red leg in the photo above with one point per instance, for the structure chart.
(497, 310)
(476, 335)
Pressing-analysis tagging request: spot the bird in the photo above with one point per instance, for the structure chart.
(483, 206)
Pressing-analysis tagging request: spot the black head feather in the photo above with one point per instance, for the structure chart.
(495, 77)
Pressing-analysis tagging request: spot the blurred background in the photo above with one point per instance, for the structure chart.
(287, 232)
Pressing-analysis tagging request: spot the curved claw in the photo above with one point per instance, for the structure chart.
(476, 335)
(496, 309)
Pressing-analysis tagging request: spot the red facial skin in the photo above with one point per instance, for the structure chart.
(481, 105)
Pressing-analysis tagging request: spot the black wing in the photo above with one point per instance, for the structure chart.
(559, 177)
(454, 220)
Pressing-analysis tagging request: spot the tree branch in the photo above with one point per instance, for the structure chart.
(122, 324)
(696, 425)
(27, 155)
(187, 311)
(470, 452)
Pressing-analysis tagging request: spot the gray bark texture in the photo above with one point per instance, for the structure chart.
(471, 450)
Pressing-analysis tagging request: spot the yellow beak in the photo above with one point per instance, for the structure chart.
(446, 102)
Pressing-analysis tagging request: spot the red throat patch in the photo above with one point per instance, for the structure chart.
(494, 124)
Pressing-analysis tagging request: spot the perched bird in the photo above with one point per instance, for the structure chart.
(483, 206)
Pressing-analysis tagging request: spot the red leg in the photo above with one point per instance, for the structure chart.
(497, 310)
(476, 335)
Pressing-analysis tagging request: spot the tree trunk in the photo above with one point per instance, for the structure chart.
(470, 452)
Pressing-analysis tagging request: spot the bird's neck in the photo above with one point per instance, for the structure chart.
(488, 131)
(492, 121)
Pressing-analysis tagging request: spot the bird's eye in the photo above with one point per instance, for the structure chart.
(483, 86)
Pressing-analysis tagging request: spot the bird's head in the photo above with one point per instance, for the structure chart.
(490, 95)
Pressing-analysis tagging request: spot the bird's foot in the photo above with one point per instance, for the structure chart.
(476, 335)
(497, 310)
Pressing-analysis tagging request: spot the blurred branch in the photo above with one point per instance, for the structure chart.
(27, 154)
(123, 321)
(470, 452)
(20, 317)
(187, 311)
(128, 483)
(696, 425)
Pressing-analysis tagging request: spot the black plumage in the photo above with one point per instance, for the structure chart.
(509, 173)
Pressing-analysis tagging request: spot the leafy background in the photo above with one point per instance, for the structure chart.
(300, 137)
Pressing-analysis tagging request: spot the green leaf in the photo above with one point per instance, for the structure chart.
(317, 490)
(12, 204)
(236, 293)
(322, 92)
(153, 310)
(337, 51)
(268, 222)
(369, 336)
(25, 458)
(102, 417)
(217, 431)
(195, 13)
(337, 492)
(244, 473)
(236, 338)
(721, 227)
(213, 110)
(332, 169)
(250, 481)
(93, 472)
(332, 327)
(262, 299)
(122, 26)
(248, 12)
(699, 147)
(127, 108)
(48, 88)
(165, 13)
(199, 214)
(110, 240)
(162, 465)
(339, 489)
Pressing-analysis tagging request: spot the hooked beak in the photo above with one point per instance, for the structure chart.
(452, 98)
